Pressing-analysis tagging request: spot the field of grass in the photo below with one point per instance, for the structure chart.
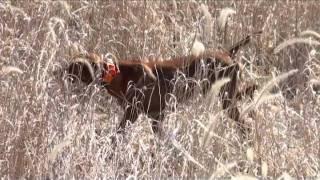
(48, 126)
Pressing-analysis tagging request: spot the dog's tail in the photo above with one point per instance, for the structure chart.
(234, 49)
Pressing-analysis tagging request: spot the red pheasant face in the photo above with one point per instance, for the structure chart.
(110, 69)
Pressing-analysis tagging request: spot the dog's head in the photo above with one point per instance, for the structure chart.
(89, 68)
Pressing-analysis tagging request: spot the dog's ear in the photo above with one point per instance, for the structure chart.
(85, 67)
(82, 71)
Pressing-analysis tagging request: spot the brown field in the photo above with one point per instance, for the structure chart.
(48, 127)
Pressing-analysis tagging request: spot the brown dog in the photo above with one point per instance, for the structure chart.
(141, 87)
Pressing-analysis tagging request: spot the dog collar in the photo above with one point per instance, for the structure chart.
(110, 71)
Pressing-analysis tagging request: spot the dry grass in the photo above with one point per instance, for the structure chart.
(48, 127)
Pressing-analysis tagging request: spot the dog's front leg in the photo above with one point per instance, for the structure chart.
(130, 115)
(157, 119)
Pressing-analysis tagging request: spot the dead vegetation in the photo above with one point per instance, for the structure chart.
(48, 128)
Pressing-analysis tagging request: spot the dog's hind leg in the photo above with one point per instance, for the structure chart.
(233, 113)
(247, 91)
